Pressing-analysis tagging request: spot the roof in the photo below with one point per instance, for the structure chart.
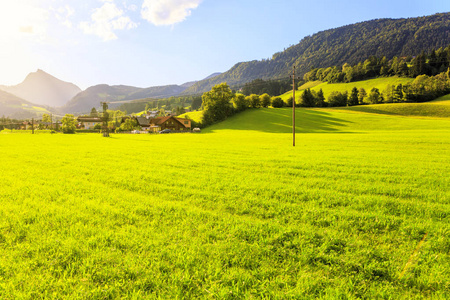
(162, 120)
(89, 119)
(143, 121)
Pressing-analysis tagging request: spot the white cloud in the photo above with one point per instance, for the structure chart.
(63, 15)
(107, 19)
(167, 12)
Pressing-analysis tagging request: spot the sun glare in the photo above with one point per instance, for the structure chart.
(21, 18)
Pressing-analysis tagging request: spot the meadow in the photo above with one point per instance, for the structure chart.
(358, 209)
(379, 83)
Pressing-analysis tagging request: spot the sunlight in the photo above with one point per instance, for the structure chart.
(20, 18)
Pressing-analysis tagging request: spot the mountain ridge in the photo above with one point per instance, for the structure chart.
(346, 44)
(42, 88)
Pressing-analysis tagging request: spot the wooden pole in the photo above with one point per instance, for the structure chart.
(293, 107)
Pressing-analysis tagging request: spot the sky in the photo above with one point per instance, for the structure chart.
(147, 43)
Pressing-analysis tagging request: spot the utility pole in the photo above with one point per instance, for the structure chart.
(105, 119)
(32, 125)
(51, 122)
(293, 106)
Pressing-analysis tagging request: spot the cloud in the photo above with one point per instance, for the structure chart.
(167, 12)
(107, 19)
(63, 15)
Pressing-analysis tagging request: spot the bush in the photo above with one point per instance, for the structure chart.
(277, 102)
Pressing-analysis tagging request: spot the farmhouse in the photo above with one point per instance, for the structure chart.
(144, 123)
(170, 122)
(89, 122)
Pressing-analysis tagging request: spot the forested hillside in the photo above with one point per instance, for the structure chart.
(348, 44)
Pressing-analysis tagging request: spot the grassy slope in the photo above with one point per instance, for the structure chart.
(236, 212)
(327, 88)
(196, 116)
(440, 108)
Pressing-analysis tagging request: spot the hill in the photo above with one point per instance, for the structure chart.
(43, 89)
(347, 44)
(379, 117)
(15, 107)
(91, 97)
(379, 83)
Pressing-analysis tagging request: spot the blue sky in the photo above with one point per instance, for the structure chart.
(157, 42)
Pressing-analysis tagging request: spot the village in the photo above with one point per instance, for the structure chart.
(152, 121)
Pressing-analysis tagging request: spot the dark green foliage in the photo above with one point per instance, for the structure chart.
(94, 112)
(374, 96)
(320, 99)
(277, 102)
(423, 64)
(353, 98)
(362, 94)
(196, 103)
(155, 104)
(348, 44)
(264, 100)
(307, 99)
(337, 99)
(271, 87)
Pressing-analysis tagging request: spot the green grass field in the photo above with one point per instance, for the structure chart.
(359, 209)
(379, 83)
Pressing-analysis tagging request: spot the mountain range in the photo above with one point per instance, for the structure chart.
(334, 47)
(42, 88)
(348, 44)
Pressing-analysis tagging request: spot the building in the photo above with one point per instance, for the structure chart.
(169, 122)
(89, 122)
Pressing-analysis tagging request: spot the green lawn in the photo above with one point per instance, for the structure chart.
(233, 213)
(327, 88)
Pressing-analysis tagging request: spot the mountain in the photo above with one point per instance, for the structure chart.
(15, 107)
(43, 89)
(347, 44)
(91, 97)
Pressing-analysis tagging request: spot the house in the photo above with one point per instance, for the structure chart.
(144, 123)
(89, 122)
(170, 122)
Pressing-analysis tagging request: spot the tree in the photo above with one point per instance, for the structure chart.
(253, 101)
(217, 103)
(264, 99)
(337, 98)
(69, 124)
(307, 98)
(46, 118)
(196, 103)
(240, 102)
(374, 96)
(129, 125)
(398, 93)
(361, 95)
(353, 99)
(320, 99)
(277, 102)
(94, 112)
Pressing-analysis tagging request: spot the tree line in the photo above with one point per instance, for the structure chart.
(422, 88)
(430, 64)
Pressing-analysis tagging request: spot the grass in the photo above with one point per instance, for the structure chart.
(235, 212)
(196, 116)
(327, 88)
(439, 108)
